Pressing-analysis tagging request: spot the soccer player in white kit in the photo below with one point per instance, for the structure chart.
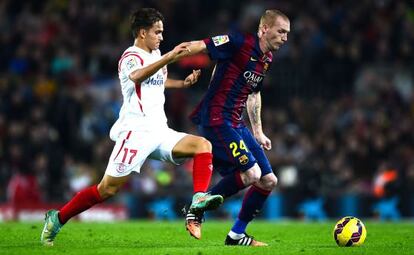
(141, 131)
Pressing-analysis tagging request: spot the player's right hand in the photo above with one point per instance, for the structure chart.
(264, 141)
(180, 48)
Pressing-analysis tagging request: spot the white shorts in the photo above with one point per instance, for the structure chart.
(133, 147)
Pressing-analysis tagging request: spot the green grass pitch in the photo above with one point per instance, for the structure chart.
(159, 237)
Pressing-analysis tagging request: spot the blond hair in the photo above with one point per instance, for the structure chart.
(269, 16)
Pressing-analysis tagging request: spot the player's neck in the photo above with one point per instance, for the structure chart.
(141, 44)
(262, 46)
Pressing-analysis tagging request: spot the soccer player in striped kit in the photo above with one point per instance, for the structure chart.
(242, 63)
(141, 130)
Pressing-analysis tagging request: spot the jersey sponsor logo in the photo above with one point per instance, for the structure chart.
(157, 80)
(220, 40)
(243, 159)
(253, 78)
(131, 63)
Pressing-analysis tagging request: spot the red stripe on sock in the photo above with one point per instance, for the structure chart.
(261, 191)
(202, 171)
(247, 202)
(246, 196)
(82, 201)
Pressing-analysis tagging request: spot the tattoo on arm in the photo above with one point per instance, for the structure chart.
(254, 106)
(256, 112)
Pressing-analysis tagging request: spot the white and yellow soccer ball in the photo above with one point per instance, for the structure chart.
(349, 231)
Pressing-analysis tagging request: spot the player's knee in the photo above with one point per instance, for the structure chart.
(251, 176)
(107, 191)
(203, 145)
(271, 182)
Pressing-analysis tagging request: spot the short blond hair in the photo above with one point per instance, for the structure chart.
(269, 16)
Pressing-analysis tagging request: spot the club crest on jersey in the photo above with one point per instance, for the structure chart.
(220, 39)
(120, 168)
(253, 78)
(131, 63)
(243, 159)
(265, 66)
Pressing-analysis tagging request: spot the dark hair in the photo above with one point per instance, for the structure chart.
(144, 18)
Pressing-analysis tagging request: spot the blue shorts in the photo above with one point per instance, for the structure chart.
(235, 149)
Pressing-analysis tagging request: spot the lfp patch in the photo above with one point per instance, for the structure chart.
(220, 39)
(131, 63)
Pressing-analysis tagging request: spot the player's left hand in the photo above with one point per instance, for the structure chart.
(192, 78)
(264, 141)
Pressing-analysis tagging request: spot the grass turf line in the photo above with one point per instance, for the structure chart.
(162, 237)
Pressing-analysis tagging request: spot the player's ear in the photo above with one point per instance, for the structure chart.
(262, 30)
(265, 28)
(142, 33)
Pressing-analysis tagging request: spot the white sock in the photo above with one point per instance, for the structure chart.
(235, 236)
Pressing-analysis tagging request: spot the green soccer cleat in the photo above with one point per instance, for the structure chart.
(51, 228)
(204, 202)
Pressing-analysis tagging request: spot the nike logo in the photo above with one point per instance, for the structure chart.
(253, 59)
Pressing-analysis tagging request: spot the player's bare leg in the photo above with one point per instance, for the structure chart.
(200, 149)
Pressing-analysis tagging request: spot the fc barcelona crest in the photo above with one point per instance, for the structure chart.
(243, 159)
(265, 66)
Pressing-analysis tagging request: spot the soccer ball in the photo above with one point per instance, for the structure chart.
(349, 231)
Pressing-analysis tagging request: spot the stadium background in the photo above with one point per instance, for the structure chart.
(338, 104)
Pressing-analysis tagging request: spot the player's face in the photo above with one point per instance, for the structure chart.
(153, 36)
(277, 34)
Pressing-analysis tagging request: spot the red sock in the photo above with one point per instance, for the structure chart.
(202, 171)
(82, 201)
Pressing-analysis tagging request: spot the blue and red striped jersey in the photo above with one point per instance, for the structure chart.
(239, 71)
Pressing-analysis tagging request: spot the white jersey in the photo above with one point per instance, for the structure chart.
(143, 103)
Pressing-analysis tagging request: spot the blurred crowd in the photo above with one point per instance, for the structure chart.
(337, 103)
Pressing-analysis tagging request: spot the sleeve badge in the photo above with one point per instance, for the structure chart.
(131, 63)
(220, 40)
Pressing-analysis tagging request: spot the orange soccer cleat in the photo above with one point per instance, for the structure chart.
(193, 224)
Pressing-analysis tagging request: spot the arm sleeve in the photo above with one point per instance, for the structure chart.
(130, 63)
(223, 46)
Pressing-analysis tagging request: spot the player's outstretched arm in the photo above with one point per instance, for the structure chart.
(194, 48)
(142, 74)
(254, 107)
(189, 80)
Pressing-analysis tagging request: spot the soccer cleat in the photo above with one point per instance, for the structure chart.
(51, 228)
(246, 240)
(195, 214)
(205, 201)
(193, 224)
